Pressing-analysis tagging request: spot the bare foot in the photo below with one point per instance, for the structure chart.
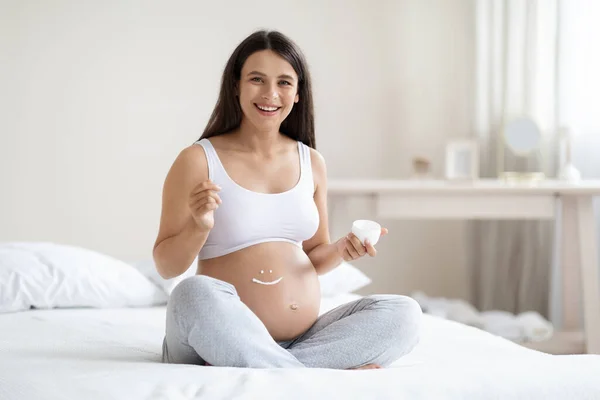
(368, 366)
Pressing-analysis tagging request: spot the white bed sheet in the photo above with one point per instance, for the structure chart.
(115, 354)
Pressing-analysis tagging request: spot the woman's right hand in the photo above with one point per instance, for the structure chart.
(203, 202)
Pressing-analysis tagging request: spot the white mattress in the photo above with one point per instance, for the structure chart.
(115, 354)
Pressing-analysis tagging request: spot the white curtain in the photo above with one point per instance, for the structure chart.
(534, 58)
(516, 53)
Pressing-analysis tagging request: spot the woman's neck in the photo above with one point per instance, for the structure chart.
(261, 142)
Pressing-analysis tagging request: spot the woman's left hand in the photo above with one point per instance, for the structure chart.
(350, 248)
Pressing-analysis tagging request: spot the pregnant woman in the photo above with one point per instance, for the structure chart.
(249, 199)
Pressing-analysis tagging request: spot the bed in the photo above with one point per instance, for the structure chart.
(115, 354)
(112, 351)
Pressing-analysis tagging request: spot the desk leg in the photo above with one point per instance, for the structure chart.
(569, 266)
(588, 263)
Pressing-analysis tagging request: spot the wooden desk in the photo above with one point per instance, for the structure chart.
(569, 204)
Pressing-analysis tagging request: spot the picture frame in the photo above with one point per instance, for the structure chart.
(462, 160)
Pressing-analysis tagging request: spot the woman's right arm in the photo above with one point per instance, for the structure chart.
(188, 202)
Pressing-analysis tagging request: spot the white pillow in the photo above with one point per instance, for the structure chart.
(49, 275)
(342, 280)
(148, 269)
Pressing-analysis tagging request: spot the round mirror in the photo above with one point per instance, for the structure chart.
(522, 136)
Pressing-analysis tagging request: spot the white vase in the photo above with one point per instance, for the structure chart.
(567, 172)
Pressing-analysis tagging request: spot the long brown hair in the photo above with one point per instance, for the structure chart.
(227, 115)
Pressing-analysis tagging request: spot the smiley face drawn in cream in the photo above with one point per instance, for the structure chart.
(268, 282)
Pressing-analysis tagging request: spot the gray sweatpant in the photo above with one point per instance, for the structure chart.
(208, 323)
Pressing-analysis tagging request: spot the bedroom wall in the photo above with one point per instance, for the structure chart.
(98, 98)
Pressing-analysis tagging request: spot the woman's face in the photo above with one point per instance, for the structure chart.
(267, 90)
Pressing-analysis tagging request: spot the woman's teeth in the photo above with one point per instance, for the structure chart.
(268, 109)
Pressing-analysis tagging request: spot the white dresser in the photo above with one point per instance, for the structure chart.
(569, 203)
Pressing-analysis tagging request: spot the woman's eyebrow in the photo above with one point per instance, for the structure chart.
(286, 77)
(280, 76)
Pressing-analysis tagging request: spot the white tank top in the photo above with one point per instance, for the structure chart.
(246, 218)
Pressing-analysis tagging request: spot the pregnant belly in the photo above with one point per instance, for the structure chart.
(277, 281)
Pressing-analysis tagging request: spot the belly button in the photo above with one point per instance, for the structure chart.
(294, 306)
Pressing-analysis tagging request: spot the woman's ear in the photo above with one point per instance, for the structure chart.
(297, 98)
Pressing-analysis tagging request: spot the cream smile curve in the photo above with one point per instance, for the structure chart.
(267, 283)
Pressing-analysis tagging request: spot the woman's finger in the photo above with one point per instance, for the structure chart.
(384, 231)
(207, 193)
(211, 193)
(346, 255)
(205, 202)
(207, 207)
(360, 249)
(351, 250)
(204, 208)
(204, 186)
(370, 249)
(202, 201)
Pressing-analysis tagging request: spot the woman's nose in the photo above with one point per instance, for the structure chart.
(270, 92)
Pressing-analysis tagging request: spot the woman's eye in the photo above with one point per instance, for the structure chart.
(285, 82)
(256, 79)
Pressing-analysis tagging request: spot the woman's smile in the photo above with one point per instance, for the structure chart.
(267, 110)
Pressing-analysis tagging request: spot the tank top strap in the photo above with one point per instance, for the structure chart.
(211, 157)
(305, 164)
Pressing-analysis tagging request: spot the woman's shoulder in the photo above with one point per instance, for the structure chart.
(316, 159)
(193, 153)
(191, 160)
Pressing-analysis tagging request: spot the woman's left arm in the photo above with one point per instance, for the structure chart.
(323, 254)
